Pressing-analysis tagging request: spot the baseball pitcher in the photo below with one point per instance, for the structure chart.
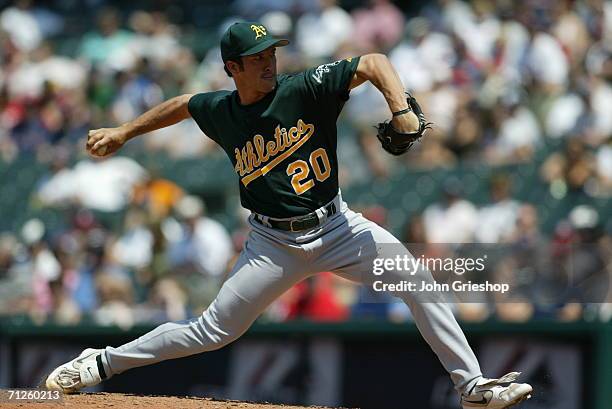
(279, 132)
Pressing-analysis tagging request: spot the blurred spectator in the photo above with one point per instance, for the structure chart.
(252, 9)
(8, 245)
(442, 104)
(517, 132)
(136, 93)
(44, 72)
(10, 111)
(113, 178)
(278, 23)
(568, 112)
(197, 243)
(587, 263)
(378, 27)
(155, 39)
(19, 21)
(497, 220)
(116, 301)
(431, 153)
(414, 231)
(525, 266)
(604, 168)
(527, 231)
(30, 134)
(135, 247)
(601, 104)
(453, 220)
(167, 301)
(509, 52)
(109, 46)
(65, 309)
(570, 169)
(317, 298)
(570, 30)
(157, 195)
(479, 30)
(466, 134)
(86, 241)
(319, 34)
(42, 263)
(15, 276)
(424, 57)
(579, 270)
(546, 61)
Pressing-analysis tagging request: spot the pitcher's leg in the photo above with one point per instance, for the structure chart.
(352, 257)
(440, 329)
(259, 277)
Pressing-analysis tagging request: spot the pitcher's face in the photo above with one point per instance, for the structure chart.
(259, 70)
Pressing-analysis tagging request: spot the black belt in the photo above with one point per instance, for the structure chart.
(300, 223)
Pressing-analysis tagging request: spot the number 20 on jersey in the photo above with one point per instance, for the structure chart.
(300, 171)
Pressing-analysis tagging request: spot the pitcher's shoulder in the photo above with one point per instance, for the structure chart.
(290, 83)
(288, 79)
(211, 100)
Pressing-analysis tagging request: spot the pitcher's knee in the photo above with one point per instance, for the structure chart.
(220, 332)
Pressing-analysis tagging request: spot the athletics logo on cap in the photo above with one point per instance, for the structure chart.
(238, 40)
(260, 31)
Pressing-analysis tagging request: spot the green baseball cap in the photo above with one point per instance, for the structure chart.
(247, 38)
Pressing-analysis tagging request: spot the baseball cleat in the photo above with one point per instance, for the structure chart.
(496, 393)
(79, 373)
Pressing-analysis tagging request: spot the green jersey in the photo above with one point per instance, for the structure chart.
(283, 147)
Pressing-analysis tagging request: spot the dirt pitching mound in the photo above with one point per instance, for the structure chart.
(119, 401)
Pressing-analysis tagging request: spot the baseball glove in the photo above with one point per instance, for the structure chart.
(397, 143)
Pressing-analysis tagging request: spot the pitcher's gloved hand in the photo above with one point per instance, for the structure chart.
(396, 142)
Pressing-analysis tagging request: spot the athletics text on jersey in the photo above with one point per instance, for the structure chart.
(283, 147)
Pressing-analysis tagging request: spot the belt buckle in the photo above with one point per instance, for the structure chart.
(303, 221)
(293, 230)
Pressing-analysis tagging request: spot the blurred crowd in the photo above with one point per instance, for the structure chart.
(504, 82)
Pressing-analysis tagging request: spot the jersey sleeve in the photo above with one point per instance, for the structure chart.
(331, 80)
(200, 107)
